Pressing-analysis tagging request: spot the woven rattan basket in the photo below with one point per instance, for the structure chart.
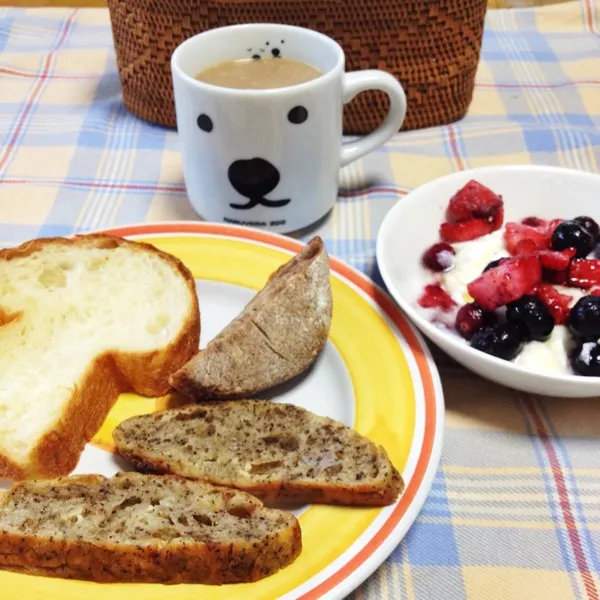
(431, 46)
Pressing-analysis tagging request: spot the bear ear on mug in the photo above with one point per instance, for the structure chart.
(269, 157)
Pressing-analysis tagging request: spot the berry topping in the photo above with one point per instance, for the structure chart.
(473, 201)
(440, 257)
(584, 273)
(584, 320)
(471, 318)
(493, 264)
(535, 222)
(590, 226)
(556, 261)
(435, 296)
(465, 231)
(552, 225)
(586, 359)
(533, 314)
(522, 239)
(505, 283)
(503, 340)
(498, 218)
(570, 234)
(556, 303)
(556, 277)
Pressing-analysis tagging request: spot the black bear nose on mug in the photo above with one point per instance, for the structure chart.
(254, 177)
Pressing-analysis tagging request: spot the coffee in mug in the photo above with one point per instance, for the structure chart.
(259, 73)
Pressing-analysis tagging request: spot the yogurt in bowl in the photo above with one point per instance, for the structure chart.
(550, 194)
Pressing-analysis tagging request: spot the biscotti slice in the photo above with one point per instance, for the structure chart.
(82, 320)
(144, 529)
(279, 452)
(277, 336)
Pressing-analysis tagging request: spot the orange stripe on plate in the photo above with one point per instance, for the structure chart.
(392, 311)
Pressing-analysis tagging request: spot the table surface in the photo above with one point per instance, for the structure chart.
(514, 512)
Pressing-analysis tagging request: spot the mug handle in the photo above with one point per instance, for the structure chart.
(373, 79)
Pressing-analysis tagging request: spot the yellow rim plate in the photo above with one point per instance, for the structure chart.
(397, 402)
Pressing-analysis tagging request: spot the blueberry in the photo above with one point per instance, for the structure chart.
(494, 264)
(533, 314)
(590, 226)
(504, 340)
(584, 319)
(570, 234)
(586, 359)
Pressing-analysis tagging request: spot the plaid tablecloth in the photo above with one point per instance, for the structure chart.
(514, 513)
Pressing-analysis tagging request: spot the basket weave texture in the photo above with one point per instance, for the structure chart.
(432, 47)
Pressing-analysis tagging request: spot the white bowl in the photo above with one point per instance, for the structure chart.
(412, 226)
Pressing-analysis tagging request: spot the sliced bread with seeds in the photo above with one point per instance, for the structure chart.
(279, 452)
(278, 335)
(136, 528)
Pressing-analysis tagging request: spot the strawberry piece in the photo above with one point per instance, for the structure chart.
(508, 281)
(473, 201)
(595, 291)
(556, 260)
(515, 233)
(525, 247)
(465, 230)
(435, 296)
(536, 223)
(557, 303)
(498, 218)
(584, 273)
(556, 277)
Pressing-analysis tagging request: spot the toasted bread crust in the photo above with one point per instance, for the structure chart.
(206, 562)
(278, 335)
(58, 451)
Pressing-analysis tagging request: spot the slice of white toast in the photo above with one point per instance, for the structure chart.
(82, 320)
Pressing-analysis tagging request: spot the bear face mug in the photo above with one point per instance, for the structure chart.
(270, 158)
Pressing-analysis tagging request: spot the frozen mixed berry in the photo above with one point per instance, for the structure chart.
(505, 283)
(590, 226)
(555, 260)
(570, 234)
(473, 201)
(435, 296)
(523, 239)
(471, 318)
(465, 231)
(493, 264)
(504, 340)
(586, 359)
(584, 273)
(440, 257)
(556, 303)
(584, 320)
(535, 222)
(533, 314)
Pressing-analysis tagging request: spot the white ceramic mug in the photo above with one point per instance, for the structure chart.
(270, 158)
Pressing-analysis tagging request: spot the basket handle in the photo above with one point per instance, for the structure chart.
(373, 79)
